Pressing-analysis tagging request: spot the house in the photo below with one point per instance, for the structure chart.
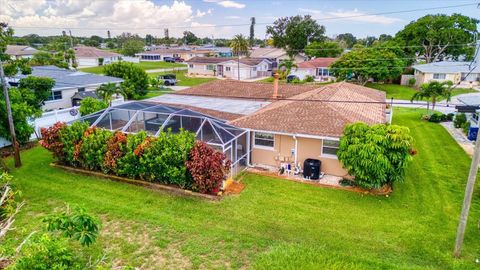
(232, 68)
(92, 57)
(67, 84)
(157, 55)
(275, 55)
(20, 51)
(317, 68)
(306, 122)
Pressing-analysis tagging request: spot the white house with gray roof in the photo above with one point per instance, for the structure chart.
(67, 84)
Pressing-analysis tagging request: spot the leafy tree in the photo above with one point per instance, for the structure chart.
(384, 37)
(287, 66)
(132, 46)
(434, 90)
(110, 44)
(252, 31)
(368, 41)
(90, 105)
(41, 87)
(43, 58)
(91, 43)
(106, 92)
(149, 39)
(438, 36)
(239, 45)
(324, 49)
(375, 155)
(294, 33)
(189, 37)
(136, 79)
(347, 39)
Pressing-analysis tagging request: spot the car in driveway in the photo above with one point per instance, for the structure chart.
(179, 59)
(169, 59)
(168, 79)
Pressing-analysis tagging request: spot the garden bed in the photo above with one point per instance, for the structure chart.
(153, 186)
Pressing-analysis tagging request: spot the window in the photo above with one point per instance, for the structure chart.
(227, 68)
(254, 68)
(190, 65)
(330, 147)
(264, 140)
(56, 95)
(81, 89)
(210, 67)
(439, 76)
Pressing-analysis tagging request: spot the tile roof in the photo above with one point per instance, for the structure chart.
(175, 50)
(319, 118)
(249, 61)
(20, 50)
(92, 52)
(317, 62)
(244, 90)
(268, 52)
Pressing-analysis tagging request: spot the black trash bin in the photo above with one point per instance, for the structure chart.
(311, 168)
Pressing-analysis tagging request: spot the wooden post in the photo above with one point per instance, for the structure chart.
(472, 176)
(16, 147)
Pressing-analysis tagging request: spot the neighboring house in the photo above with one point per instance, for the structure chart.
(92, 57)
(448, 71)
(79, 96)
(275, 55)
(232, 68)
(20, 51)
(287, 131)
(317, 68)
(157, 55)
(67, 84)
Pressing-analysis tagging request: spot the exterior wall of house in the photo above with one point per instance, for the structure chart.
(199, 69)
(427, 77)
(66, 101)
(230, 70)
(93, 62)
(284, 151)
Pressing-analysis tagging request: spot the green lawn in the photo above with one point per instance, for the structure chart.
(272, 224)
(183, 80)
(404, 92)
(143, 65)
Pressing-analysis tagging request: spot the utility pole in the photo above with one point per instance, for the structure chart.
(16, 147)
(71, 39)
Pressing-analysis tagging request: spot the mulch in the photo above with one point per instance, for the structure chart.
(8, 150)
(234, 188)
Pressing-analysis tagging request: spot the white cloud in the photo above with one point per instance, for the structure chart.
(226, 3)
(352, 15)
(233, 17)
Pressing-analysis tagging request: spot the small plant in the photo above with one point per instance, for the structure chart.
(465, 127)
(309, 78)
(90, 105)
(114, 151)
(459, 120)
(411, 82)
(51, 140)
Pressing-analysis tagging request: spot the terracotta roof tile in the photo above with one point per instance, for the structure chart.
(317, 62)
(216, 60)
(92, 52)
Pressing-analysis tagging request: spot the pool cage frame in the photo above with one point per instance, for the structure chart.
(154, 118)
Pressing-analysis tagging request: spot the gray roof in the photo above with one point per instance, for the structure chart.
(471, 99)
(447, 67)
(85, 94)
(66, 79)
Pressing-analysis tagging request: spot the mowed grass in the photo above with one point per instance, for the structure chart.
(143, 65)
(272, 224)
(403, 92)
(183, 79)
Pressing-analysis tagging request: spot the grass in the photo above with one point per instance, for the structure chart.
(143, 65)
(403, 92)
(183, 80)
(272, 224)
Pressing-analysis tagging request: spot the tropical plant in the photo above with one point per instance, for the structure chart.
(90, 151)
(132, 46)
(411, 82)
(375, 155)
(114, 151)
(239, 45)
(41, 88)
(459, 120)
(90, 105)
(433, 91)
(207, 167)
(70, 136)
(323, 49)
(51, 140)
(286, 67)
(106, 92)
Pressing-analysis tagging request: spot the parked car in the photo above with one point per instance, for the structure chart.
(169, 59)
(168, 79)
(179, 59)
(292, 77)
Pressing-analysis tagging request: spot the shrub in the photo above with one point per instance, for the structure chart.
(51, 140)
(136, 79)
(375, 155)
(411, 82)
(459, 120)
(90, 152)
(207, 167)
(296, 81)
(128, 164)
(90, 105)
(450, 116)
(70, 136)
(114, 151)
(466, 127)
(309, 78)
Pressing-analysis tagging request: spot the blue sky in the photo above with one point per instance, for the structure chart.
(209, 17)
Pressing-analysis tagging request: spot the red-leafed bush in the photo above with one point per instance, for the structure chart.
(51, 139)
(207, 167)
(114, 151)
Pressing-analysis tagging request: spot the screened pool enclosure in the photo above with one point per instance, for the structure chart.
(154, 118)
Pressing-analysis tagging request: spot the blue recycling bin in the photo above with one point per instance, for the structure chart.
(472, 133)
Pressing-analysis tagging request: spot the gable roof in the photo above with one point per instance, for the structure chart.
(17, 50)
(84, 94)
(249, 61)
(317, 62)
(65, 79)
(244, 90)
(446, 67)
(306, 114)
(92, 52)
(268, 52)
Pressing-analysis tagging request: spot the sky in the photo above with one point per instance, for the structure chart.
(216, 18)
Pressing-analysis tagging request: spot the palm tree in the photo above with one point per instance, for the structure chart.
(106, 91)
(434, 90)
(239, 45)
(287, 65)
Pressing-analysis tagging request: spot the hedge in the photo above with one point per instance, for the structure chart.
(159, 159)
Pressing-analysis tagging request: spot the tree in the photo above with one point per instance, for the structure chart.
(239, 45)
(438, 36)
(252, 31)
(294, 33)
(368, 41)
(41, 88)
(375, 155)
(90, 105)
(384, 37)
(9, 205)
(106, 92)
(323, 49)
(287, 66)
(347, 39)
(434, 90)
(189, 37)
(132, 46)
(136, 79)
